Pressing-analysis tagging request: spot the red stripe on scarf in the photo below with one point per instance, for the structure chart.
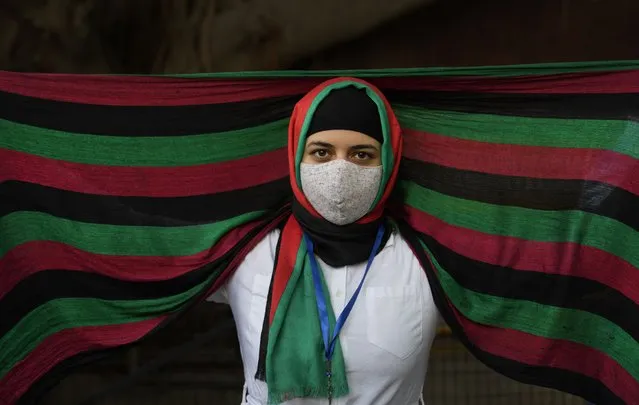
(525, 161)
(569, 83)
(566, 259)
(290, 241)
(144, 181)
(149, 91)
(241, 254)
(166, 91)
(32, 257)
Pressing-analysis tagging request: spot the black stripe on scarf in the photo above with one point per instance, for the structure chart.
(48, 285)
(211, 118)
(143, 120)
(141, 211)
(260, 373)
(592, 106)
(544, 194)
(541, 194)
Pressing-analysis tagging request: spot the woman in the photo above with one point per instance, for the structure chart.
(333, 307)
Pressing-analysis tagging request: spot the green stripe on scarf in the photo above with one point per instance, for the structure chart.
(169, 151)
(295, 339)
(497, 71)
(547, 226)
(190, 150)
(23, 227)
(615, 135)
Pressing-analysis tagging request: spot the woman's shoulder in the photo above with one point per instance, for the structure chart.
(261, 257)
(258, 261)
(398, 250)
(267, 246)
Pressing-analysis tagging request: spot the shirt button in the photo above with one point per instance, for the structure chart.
(338, 293)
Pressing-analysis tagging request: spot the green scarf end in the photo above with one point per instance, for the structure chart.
(276, 398)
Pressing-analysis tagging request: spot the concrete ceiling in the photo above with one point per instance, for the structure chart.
(142, 36)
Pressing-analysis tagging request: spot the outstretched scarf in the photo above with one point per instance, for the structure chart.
(124, 200)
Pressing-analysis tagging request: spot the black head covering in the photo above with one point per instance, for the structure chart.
(348, 108)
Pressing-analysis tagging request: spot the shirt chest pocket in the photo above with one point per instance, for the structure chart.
(395, 319)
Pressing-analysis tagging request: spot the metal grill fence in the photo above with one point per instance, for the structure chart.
(212, 374)
(455, 377)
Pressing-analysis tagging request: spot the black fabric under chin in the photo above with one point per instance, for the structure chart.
(336, 245)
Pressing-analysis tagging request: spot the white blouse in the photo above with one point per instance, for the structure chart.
(385, 341)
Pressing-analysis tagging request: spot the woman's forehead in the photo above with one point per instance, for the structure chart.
(339, 137)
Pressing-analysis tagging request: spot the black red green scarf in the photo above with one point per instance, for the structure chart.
(124, 200)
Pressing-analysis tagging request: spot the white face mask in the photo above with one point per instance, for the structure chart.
(340, 191)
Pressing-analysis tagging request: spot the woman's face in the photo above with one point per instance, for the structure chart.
(352, 146)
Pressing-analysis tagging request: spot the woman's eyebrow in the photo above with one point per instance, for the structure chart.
(318, 143)
(363, 146)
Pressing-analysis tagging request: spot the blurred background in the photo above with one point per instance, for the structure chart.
(178, 36)
(184, 36)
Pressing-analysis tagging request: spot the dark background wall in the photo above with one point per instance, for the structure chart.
(123, 36)
(496, 32)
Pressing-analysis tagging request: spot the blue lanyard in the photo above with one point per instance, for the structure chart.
(329, 347)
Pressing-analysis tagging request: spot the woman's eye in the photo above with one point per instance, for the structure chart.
(321, 153)
(362, 155)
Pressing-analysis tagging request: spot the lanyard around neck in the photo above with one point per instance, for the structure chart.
(322, 308)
